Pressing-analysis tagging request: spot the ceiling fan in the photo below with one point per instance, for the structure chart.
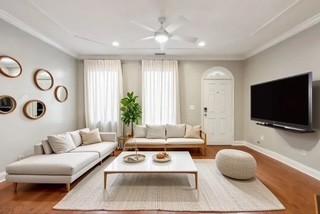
(166, 31)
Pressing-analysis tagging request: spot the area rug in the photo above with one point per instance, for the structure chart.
(170, 192)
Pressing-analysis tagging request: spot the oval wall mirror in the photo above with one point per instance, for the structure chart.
(34, 109)
(61, 93)
(10, 67)
(7, 104)
(43, 79)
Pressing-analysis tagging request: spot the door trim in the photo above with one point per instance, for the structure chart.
(218, 73)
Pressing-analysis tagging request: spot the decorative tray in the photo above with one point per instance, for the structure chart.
(134, 158)
(164, 159)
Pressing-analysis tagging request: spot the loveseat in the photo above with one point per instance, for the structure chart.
(45, 166)
(167, 136)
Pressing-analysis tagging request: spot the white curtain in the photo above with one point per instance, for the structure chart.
(160, 92)
(103, 92)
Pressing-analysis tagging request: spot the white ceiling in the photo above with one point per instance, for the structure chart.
(232, 29)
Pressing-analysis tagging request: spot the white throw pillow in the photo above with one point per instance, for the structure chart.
(156, 132)
(76, 137)
(90, 137)
(61, 143)
(139, 131)
(176, 131)
(193, 131)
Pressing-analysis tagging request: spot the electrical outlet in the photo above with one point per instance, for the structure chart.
(262, 138)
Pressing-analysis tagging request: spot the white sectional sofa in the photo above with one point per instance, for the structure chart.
(166, 136)
(60, 168)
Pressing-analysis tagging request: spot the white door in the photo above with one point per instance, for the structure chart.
(217, 111)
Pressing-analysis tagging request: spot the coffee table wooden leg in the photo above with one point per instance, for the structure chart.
(105, 181)
(196, 179)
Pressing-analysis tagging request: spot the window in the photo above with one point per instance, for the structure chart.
(160, 92)
(103, 91)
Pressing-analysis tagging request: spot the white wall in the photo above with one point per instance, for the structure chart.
(17, 133)
(296, 55)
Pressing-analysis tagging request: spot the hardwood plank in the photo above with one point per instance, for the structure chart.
(293, 188)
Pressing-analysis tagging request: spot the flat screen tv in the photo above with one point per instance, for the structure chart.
(284, 103)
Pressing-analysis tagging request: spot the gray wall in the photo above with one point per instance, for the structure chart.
(296, 55)
(190, 73)
(19, 134)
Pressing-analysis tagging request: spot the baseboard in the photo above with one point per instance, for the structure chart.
(283, 159)
(2, 176)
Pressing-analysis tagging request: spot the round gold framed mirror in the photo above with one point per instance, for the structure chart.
(10, 67)
(61, 93)
(43, 79)
(34, 109)
(7, 104)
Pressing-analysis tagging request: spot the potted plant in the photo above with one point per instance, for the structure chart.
(131, 112)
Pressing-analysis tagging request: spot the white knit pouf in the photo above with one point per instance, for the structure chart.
(236, 164)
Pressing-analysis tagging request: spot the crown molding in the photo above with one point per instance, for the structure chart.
(290, 33)
(274, 18)
(26, 28)
(166, 57)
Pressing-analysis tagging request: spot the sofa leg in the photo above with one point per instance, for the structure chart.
(15, 187)
(68, 187)
(203, 150)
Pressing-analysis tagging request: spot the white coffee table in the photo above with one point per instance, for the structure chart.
(181, 162)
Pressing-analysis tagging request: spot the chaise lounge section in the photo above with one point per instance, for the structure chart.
(60, 168)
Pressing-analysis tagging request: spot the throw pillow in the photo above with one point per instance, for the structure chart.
(139, 131)
(61, 143)
(193, 131)
(46, 147)
(76, 137)
(90, 137)
(176, 131)
(156, 132)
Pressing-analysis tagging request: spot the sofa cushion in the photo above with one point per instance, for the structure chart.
(101, 148)
(193, 131)
(156, 132)
(178, 130)
(54, 164)
(61, 143)
(145, 141)
(186, 141)
(90, 137)
(139, 131)
(76, 137)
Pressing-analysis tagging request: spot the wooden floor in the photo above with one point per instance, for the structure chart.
(294, 189)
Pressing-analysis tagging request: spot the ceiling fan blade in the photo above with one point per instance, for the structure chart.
(185, 38)
(181, 20)
(143, 26)
(90, 40)
(147, 38)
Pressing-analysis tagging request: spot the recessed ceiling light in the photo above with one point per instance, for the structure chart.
(201, 44)
(115, 44)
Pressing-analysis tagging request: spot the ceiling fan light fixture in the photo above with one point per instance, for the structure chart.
(161, 37)
(201, 44)
(115, 44)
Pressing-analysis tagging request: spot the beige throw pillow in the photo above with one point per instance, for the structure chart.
(176, 131)
(76, 136)
(156, 132)
(139, 131)
(61, 143)
(193, 131)
(90, 137)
